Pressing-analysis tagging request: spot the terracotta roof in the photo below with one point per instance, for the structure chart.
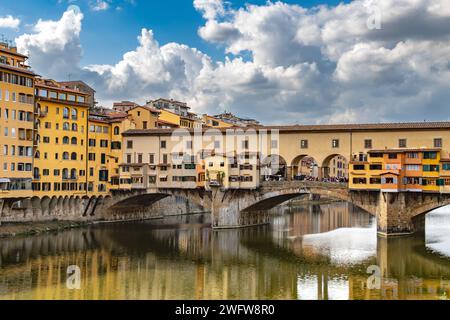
(325, 128)
(17, 69)
(403, 150)
(151, 109)
(11, 52)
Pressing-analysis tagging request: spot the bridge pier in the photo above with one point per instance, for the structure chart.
(227, 210)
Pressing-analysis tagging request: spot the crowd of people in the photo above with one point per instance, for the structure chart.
(306, 178)
(317, 179)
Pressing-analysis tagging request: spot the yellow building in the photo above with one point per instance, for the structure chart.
(98, 154)
(398, 170)
(169, 117)
(210, 121)
(61, 138)
(144, 117)
(16, 124)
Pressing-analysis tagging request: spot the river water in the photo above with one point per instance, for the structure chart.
(308, 252)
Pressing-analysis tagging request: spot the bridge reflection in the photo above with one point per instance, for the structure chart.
(189, 261)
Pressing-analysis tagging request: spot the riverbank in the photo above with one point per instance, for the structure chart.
(34, 228)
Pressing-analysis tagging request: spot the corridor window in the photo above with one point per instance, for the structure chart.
(304, 144)
(438, 143)
(335, 143)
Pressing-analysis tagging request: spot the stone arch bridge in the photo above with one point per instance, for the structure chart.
(396, 213)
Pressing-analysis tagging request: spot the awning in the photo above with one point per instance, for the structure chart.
(5, 180)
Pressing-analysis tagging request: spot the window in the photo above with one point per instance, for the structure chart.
(65, 156)
(151, 158)
(335, 143)
(376, 155)
(73, 156)
(129, 144)
(92, 142)
(438, 143)
(104, 143)
(375, 180)
(103, 158)
(359, 167)
(359, 180)
(430, 155)
(66, 112)
(412, 180)
(144, 125)
(412, 167)
(163, 144)
(430, 168)
(216, 144)
(402, 143)
(46, 139)
(412, 155)
(446, 166)
(91, 156)
(392, 156)
(66, 140)
(165, 158)
(376, 167)
(116, 131)
(74, 141)
(116, 145)
(304, 144)
(128, 158)
(368, 144)
(140, 158)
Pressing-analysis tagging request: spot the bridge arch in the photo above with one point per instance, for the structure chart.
(305, 166)
(274, 165)
(335, 166)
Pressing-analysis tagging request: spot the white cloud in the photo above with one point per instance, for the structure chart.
(54, 46)
(211, 9)
(99, 5)
(288, 64)
(9, 22)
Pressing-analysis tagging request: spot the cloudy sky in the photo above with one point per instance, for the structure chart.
(280, 62)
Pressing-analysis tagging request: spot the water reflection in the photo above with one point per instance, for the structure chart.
(309, 252)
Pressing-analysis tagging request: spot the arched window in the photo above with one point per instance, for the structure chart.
(37, 155)
(73, 174)
(74, 141)
(73, 156)
(74, 114)
(66, 140)
(65, 174)
(36, 173)
(66, 126)
(65, 156)
(66, 113)
(74, 127)
(116, 131)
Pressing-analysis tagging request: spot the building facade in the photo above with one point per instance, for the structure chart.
(16, 124)
(62, 134)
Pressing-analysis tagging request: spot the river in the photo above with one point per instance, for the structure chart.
(308, 252)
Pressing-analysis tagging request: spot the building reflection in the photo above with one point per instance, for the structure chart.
(189, 261)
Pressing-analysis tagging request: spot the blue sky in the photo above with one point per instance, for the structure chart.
(344, 62)
(171, 21)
